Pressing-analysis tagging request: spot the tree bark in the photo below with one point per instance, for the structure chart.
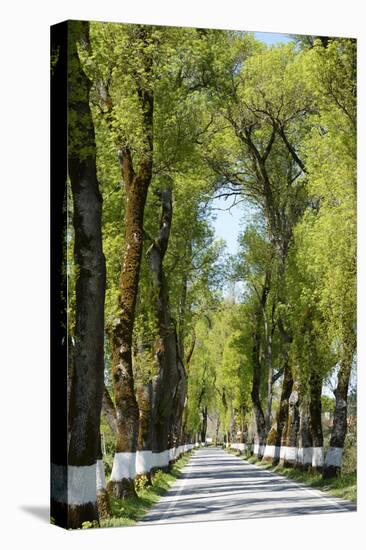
(243, 426)
(184, 421)
(204, 424)
(182, 312)
(224, 404)
(217, 430)
(144, 452)
(123, 380)
(315, 384)
(306, 441)
(170, 380)
(88, 357)
(184, 415)
(333, 460)
(60, 351)
(179, 403)
(103, 502)
(269, 331)
(136, 184)
(283, 409)
(292, 428)
(257, 373)
(109, 411)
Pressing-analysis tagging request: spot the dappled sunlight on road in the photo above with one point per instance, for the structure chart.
(217, 486)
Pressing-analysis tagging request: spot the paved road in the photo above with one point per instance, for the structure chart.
(216, 485)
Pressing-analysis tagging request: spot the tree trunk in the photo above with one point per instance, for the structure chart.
(136, 185)
(204, 425)
(268, 414)
(217, 430)
(257, 368)
(179, 403)
(333, 460)
(104, 505)
(60, 352)
(316, 420)
(123, 471)
(255, 393)
(292, 428)
(109, 411)
(184, 421)
(144, 453)
(170, 381)
(183, 393)
(305, 454)
(88, 357)
(182, 313)
(283, 410)
(224, 404)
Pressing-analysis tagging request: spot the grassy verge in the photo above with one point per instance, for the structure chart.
(342, 486)
(130, 510)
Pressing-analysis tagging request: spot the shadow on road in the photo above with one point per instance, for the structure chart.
(218, 486)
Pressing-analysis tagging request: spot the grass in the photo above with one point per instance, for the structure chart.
(343, 486)
(130, 510)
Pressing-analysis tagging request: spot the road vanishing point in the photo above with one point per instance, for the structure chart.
(216, 485)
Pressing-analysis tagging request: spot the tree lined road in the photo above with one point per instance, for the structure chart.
(189, 116)
(216, 485)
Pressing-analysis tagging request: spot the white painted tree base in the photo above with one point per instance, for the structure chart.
(124, 466)
(258, 449)
(290, 454)
(334, 457)
(161, 460)
(239, 446)
(318, 457)
(127, 465)
(305, 456)
(74, 485)
(144, 462)
(271, 451)
(101, 484)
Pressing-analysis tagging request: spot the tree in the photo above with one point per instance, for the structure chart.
(169, 382)
(330, 156)
(135, 154)
(88, 356)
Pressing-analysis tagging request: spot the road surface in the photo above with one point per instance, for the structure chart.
(216, 485)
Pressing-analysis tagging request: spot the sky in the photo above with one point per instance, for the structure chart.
(229, 223)
(270, 38)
